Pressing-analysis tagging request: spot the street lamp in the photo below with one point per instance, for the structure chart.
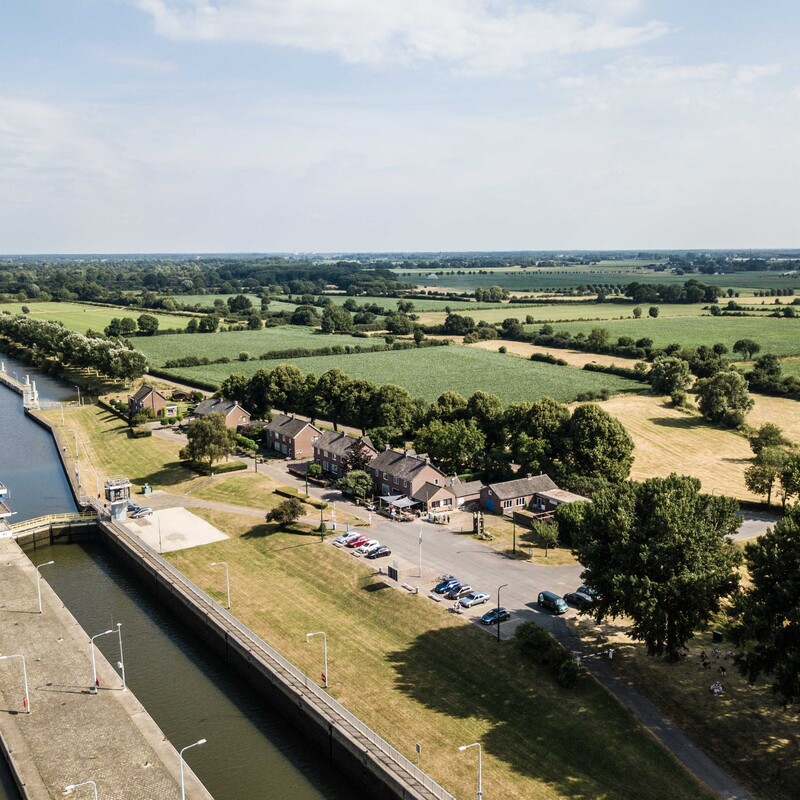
(160, 543)
(420, 551)
(38, 582)
(94, 660)
(480, 765)
(227, 579)
(324, 655)
(180, 756)
(73, 786)
(121, 662)
(26, 703)
(502, 586)
(79, 394)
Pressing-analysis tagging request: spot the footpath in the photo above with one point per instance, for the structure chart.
(71, 734)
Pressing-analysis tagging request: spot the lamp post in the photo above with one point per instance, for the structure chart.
(324, 655)
(73, 786)
(160, 543)
(26, 703)
(39, 582)
(75, 437)
(502, 586)
(480, 765)
(420, 551)
(94, 660)
(227, 579)
(180, 756)
(121, 662)
(79, 394)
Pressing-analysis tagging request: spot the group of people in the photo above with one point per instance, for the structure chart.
(716, 688)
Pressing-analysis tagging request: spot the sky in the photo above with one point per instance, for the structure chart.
(373, 125)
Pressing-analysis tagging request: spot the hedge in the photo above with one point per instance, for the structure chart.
(218, 469)
(611, 369)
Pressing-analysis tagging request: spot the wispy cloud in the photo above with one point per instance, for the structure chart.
(473, 36)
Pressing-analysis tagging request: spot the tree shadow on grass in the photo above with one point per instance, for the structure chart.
(169, 475)
(579, 742)
(684, 423)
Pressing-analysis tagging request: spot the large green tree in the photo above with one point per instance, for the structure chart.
(148, 324)
(356, 483)
(657, 552)
(456, 445)
(669, 374)
(597, 445)
(208, 440)
(723, 398)
(761, 475)
(768, 614)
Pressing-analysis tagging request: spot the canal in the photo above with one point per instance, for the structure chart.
(251, 752)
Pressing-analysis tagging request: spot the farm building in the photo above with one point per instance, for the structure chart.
(505, 497)
(332, 447)
(234, 414)
(292, 436)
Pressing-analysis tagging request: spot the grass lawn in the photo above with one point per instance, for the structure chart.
(775, 335)
(745, 730)
(428, 372)
(104, 450)
(159, 349)
(78, 317)
(791, 366)
(416, 674)
(668, 440)
(576, 358)
(207, 300)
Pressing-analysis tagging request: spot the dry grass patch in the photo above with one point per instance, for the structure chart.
(744, 730)
(575, 358)
(669, 440)
(779, 410)
(417, 674)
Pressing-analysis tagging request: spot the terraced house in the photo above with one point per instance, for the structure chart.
(411, 480)
(292, 436)
(331, 451)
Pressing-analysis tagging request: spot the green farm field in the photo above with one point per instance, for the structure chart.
(775, 335)
(791, 366)
(428, 372)
(79, 317)
(160, 349)
(208, 300)
(536, 279)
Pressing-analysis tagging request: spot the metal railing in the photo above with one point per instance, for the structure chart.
(53, 519)
(298, 675)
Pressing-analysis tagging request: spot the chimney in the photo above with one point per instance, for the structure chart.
(529, 476)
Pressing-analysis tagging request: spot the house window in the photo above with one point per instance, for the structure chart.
(405, 484)
(334, 469)
(385, 476)
(520, 501)
(436, 481)
(385, 489)
(325, 465)
(506, 504)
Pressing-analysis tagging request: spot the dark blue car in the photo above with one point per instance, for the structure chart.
(447, 585)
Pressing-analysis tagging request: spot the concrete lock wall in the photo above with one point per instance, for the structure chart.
(380, 778)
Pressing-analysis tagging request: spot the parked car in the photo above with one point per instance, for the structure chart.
(347, 537)
(358, 541)
(446, 585)
(458, 592)
(579, 599)
(132, 507)
(552, 602)
(496, 616)
(141, 512)
(379, 552)
(474, 599)
(588, 590)
(363, 549)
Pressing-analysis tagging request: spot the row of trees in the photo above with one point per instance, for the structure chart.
(582, 447)
(111, 357)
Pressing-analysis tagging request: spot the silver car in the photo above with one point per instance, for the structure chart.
(474, 599)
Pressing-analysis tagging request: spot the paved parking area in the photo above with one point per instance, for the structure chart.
(170, 529)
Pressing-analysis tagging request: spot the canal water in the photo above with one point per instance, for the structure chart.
(251, 752)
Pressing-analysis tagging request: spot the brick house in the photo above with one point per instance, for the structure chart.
(396, 473)
(331, 449)
(292, 436)
(146, 398)
(465, 491)
(508, 496)
(234, 414)
(435, 499)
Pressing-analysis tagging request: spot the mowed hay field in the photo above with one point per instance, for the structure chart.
(80, 317)
(430, 371)
(229, 344)
(780, 336)
(575, 358)
(668, 440)
(414, 673)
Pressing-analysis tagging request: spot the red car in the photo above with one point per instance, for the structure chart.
(358, 542)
